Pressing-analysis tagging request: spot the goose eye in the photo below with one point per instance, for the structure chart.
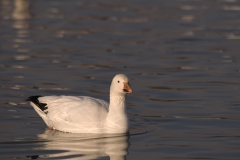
(118, 81)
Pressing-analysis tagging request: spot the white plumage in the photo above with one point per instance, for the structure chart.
(84, 114)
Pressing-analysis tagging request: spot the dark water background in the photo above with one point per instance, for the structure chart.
(182, 57)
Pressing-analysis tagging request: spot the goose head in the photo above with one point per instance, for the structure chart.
(120, 85)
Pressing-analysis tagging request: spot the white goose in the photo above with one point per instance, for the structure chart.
(84, 114)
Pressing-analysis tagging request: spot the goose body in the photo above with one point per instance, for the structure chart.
(84, 114)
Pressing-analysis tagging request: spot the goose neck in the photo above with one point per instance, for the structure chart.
(117, 100)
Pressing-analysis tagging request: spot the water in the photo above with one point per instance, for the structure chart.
(182, 58)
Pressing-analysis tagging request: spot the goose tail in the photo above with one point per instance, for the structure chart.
(40, 108)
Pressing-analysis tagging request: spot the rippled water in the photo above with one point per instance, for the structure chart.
(182, 57)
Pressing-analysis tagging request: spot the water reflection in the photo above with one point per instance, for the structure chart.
(20, 15)
(21, 10)
(84, 146)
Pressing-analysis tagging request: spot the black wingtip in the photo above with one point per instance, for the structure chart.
(35, 100)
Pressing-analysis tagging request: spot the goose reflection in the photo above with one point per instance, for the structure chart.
(85, 146)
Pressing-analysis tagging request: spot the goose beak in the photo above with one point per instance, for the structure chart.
(126, 87)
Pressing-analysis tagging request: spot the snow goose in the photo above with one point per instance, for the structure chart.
(84, 114)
